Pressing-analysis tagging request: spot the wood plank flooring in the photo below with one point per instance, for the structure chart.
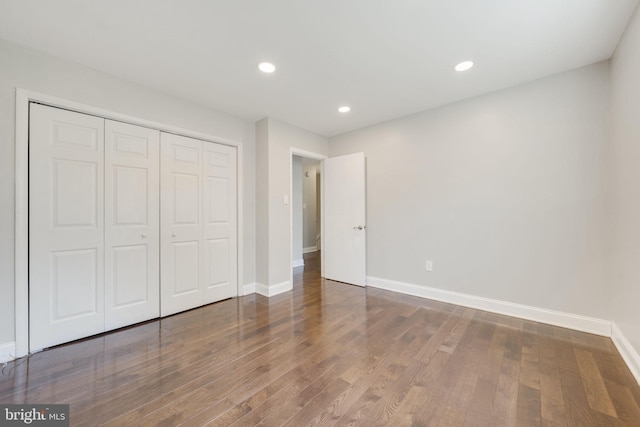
(333, 354)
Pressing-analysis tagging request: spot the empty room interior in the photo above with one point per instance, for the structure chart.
(298, 213)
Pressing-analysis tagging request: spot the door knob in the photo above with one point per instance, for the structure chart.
(360, 227)
(173, 234)
(144, 236)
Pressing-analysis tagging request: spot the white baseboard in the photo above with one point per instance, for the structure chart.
(310, 249)
(628, 353)
(7, 351)
(270, 291)
(262, 289)
(542, 315)
(248, 289)
(298, 263)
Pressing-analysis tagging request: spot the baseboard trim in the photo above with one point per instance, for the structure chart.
(270, 291)
(626, 350)
(542, 315)
(298, 263)
(262, 289)
(310, 249)
(248, 289)
(7, 351)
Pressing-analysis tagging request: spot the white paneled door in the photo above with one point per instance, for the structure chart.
(220, 224)
(198, 227)
(66, 226)
(132, 224)
(126, 224)
(345, 235)
(181, 266)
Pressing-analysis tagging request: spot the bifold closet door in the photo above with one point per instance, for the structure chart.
(66, 226)
(99, 256)
(132, 224)
(94, 226)
(220, 224)
(198, 223)
(181, 259)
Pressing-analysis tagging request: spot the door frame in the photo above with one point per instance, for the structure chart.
(21, 244)
(293, 151)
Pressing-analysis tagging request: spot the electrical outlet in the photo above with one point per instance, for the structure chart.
(429, 266)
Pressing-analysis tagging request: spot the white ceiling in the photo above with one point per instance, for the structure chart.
(384, 58)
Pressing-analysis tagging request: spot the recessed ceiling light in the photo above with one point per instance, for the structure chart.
(267, 67)
(464, 66)
(344, 109)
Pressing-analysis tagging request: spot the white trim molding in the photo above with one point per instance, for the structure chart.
(626, 350)
(271, 291)
(23, 98)
(248, 289)
(310, 249)
(542, 315)
(7, 351)
(298, 263)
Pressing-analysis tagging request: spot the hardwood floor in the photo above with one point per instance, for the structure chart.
(333, 354)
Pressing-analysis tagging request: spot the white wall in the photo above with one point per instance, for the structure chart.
(273, 172)
(504, 192)
(297, 211)
(311, 217)
(29, 69)
(625, 183)
(319, 208)
(262, 201)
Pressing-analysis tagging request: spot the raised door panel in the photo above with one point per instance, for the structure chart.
(181, 229)
(186, 257)
(132, 224)
(187, 195)
(74, 192)
(131, 194)
(130, 276)
(66, 226)
(220, 225)
(219, 273)
(74, 284)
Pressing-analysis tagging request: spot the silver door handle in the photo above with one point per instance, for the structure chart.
(360, 227)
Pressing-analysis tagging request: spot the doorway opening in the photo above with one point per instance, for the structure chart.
(307, 239)
(342, 209)
(306, 208)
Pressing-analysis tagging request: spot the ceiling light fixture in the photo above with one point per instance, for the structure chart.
(464, 66)
(344, 109)
(266, 67)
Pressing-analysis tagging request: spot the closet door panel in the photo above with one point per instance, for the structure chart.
(220, 224)
(186, 257)
(132, 224)
(126, 224)
(66, 226)
(181, 229)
